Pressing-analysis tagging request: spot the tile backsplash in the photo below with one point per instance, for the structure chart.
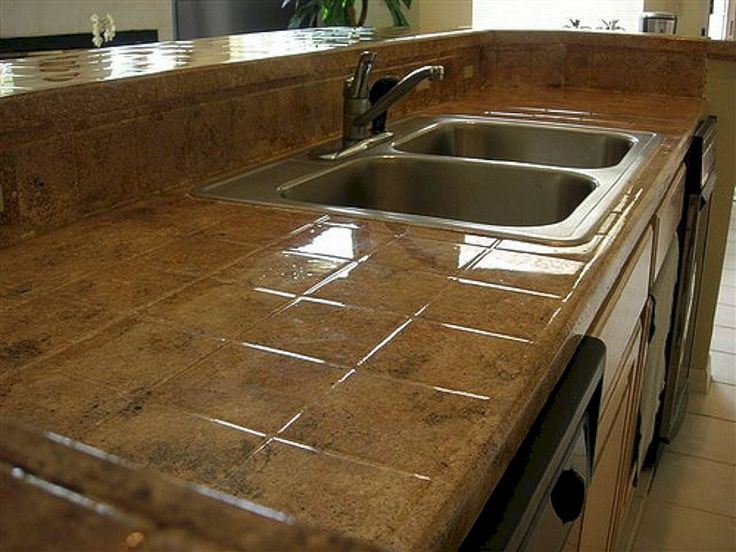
(69, 152)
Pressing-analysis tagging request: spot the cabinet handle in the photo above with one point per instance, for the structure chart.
(568, 496)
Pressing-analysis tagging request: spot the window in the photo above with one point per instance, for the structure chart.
(555, 14)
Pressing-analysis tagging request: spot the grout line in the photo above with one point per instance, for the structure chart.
(690, 455)
(709, 512)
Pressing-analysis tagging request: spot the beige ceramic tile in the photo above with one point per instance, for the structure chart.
(411, 428)
(667, 527)
(51, 401)
(257, 225)
(720, 402)
(352, 497)
(505, 312)
(427, 352)
(371, 284)
(33, 328)
(123, 288)
(249, 387)
(134, 354)
(174, 442)
(345, 241)
(725, 316)
(706, 437)
(696, 483)
(339, 334)
(727, 296)
(196, 255)
(280, 270)
(216, 308)
(723, 367)
(427, 255)
(526, 271)
(724, 340)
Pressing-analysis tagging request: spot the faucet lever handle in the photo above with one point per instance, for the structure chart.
(357, 85)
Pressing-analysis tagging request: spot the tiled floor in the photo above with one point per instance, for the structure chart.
(692, 504)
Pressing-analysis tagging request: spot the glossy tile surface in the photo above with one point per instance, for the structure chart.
(285, 356)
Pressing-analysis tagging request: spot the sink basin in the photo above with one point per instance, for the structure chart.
(543, 182)
(462, 191)
(504, 141)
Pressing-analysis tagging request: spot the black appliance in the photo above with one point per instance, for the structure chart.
(541, 496)
(206, 18)
(700, 178)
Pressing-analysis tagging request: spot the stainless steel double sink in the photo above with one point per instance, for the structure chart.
(544, 182)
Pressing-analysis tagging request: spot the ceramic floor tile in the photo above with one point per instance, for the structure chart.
(342, 241)
(505, 312)
(123, 288)
(51, 401)
(174, 442)
(280, 270)
(723, 340)
(249, 387)
(725, 316)
(216, 308)
(333, 333)
(727, 296)
(723, 367)
(667, 527)
(353, 498)
(526, 271)
(706, 437)
(426, 352)
(360, 417)
(720, 402)
(728, 278)
(134, 354)
(43, 325)
(374, 285)
(196, 255)
(696, 483)
(424, 255)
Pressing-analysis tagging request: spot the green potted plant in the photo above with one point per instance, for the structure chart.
(314, 13)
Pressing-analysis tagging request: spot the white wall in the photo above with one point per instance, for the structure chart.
(49, 17)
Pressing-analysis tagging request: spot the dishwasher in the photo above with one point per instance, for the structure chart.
(541, 496)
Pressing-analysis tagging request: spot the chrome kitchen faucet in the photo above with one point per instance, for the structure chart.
(358, 111)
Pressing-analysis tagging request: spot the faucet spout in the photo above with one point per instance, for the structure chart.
(402, 88)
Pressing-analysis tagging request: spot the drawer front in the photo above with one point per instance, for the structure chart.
(667, 219)
(622, 311)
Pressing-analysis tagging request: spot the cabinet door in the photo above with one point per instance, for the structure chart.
(604, 497)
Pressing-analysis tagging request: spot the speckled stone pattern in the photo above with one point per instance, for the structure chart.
(58, 495)
(369, 378)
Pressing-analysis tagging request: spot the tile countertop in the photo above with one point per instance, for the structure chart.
(366, 377)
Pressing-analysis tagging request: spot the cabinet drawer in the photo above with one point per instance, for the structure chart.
(667, 219)
(621, 313)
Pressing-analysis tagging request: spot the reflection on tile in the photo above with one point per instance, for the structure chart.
(360, 417)
(133, 354)
(249, 387)
(173, 441)
(375, 285)
(705, 437)
(720, 402)
(342, 241)
(280, 270)
(427, 255)
(525, 271)
(581, 252)
(339, 334)
(427, 352)
(696, 483)
(500, 311)
(219, 309)
(667, 527)
(352, 496)
(54, 402)
(42, 325)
